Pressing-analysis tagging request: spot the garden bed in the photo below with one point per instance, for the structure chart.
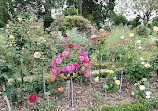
(84, 97)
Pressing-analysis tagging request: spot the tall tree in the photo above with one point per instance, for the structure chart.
(4, 16)
(145, 9)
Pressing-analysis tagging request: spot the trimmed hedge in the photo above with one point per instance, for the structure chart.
(141, 105)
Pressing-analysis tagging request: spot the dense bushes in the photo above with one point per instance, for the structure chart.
(47, 21)
(70, 11)
(141, 105)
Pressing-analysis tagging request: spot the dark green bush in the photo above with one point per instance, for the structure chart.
(47, 21)
(155, 21)
(143, 31)
(120, 19)
(135, 22)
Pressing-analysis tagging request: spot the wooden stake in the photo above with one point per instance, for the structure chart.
(71, 91)
(44, 84)
(6, 98)
(21, 63)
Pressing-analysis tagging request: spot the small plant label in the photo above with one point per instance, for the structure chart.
(10, 90)
(105, 86)
(47, 93)
(114, 78)
(68, 81)
(144, 79)
(4, 94)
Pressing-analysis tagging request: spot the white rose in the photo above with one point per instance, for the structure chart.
(122, 37)
(132, 93)
(141, 58)
(139, 47)
(147, 65)
(148, 93)
(131, 34)
(143, 63)
(147, 97)
(142, 87)
(138, 41)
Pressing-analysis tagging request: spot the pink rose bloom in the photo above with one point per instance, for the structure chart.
(54, 72)
(76, 65)
(68, 68)
(101, 30)
(71, 71)
(58, 56)
(125, 42)
(93, 37)
(53, 66)
(65, 54)
(41, 38)
(64, 69)
(81, 58)
(58, 60)
(57, 70)
(86, 74)
(86, 59)
(64, 43)
(80, 72)
(76, 45)
(53, 62)
(81, 53)
(88, 66)
(37, 55)
(67, 48)
(19, 19)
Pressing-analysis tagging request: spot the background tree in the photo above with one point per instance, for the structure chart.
(145, 9)
(4, 16)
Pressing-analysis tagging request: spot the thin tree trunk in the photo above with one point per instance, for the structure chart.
(80, 2)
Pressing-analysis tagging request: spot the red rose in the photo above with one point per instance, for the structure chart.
(64, 35)
(71, 45)
(32, 98)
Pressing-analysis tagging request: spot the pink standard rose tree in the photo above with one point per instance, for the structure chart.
(72, 62)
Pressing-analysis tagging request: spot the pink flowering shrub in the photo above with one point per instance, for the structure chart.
(71, 61)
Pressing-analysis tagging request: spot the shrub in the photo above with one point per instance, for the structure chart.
(155, 21)
(47, 21)
(143, 31)
(135, 22)
(70, 11)
(141, 105)
(120, 19)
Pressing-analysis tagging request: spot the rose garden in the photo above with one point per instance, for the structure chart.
(74, 64)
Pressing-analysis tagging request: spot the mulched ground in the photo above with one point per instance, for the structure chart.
(84, 97)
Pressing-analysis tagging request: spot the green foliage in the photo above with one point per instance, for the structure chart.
(4, 16)
(141, 105)
(143, 31)
(70, 11)
(110, 82)
(135, 22)
(43, 106)
(98, 99)
(47, 21)
(155, 21)
(120, 19)
(142, 93)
